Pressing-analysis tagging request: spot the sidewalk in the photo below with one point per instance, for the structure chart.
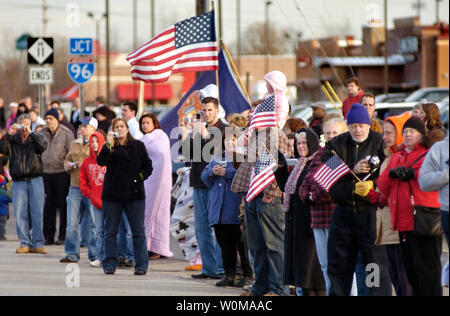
(32, 274)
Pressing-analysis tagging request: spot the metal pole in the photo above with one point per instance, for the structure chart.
(266, 66)
(135, 85)
(97, 44)
(386, 66)
(82, 107)
(108, 100)
(219, 7)
(47, 91)
(41, 101)
(152, 4)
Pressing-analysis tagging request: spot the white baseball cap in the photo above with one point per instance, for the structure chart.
(90, 121)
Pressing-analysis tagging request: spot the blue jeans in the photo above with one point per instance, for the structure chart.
(29, 200)
(265, 236)
(99, 220)
(135, 211)
(321, 239)
(444, 219)
(125, 239)
(77, 206)
(84, 230)
(206, 240)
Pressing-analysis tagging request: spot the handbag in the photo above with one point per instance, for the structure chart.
(427, 220)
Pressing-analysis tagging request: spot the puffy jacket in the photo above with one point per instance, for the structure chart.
(399, 192)
(351, 153)
(126, 169)
(57, 149)
(349, 101)
(92, 175)
(223, 204)
(25, 158)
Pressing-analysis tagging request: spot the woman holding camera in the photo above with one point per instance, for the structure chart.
(399, 183)
(127, 166)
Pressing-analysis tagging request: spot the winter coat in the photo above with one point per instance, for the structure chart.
(126, 169)
(77, 153)
(223, 204)
(57, 148)
(92, 175)
(5, 199)
(25, 159)
(351, 153)
(399, 192)
(434, 172)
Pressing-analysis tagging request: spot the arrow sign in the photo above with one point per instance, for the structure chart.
(40, 50)
(81, 69)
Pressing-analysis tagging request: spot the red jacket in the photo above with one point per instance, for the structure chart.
(349, 101)
(399, 193)
(92, 175)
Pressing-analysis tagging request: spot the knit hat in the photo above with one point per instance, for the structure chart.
(53, 112)
(416, 123)
(358, 115)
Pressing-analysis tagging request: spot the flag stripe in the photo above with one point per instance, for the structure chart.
(174, 69)
(152, 79)
(175, 64)
(162, 37)
(199, 51)
(261, 186)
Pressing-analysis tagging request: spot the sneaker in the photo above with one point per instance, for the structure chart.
(67, 260)
(129, 264)
(96, 263)
(244, 281)
(122, 262)
(40, 250)
(24, 249)
(140, 272)
(227, 281)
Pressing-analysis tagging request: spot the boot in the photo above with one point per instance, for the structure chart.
(227, 281)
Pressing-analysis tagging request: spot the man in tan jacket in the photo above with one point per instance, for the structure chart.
(78, 205)
(56, 179)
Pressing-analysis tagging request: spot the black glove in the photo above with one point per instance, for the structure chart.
(402, 173)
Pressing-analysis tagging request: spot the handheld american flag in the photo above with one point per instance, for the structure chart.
(331, 172)
(189, 45)
(264, 115)
(262, 175)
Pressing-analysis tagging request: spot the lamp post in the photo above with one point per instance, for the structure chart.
(266, 66)
(97, 20)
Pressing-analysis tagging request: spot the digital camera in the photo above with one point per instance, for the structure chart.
(115, 134)
(374, 162)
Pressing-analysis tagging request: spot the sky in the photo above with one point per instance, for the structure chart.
(313, 18)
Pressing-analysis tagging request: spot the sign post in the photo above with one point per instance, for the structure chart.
(81, 68)
(40, 52)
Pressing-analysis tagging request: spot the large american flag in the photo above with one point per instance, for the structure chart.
(189, 45)
(331, 172)
(262, 175)
(264, 115)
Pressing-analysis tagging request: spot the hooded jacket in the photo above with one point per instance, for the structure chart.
(399, 192)
(349, 101)
(92, 175)
(398, 122)
(278, 82)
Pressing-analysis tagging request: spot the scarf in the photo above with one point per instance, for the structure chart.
(291, 183)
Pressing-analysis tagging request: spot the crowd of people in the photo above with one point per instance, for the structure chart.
(109, 180)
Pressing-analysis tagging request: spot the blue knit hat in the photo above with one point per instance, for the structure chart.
(53, 112)
(358, 115)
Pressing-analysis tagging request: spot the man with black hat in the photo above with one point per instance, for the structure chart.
(353, 225)
(56, 179)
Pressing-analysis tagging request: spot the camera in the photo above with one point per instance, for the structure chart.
(198, 116)
(115, 134)
(374, 162)
(20, 126)
(187, 120)
(74, 165)
(222, 163)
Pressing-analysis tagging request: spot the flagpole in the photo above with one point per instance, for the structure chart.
(219, 40)
(236, 72)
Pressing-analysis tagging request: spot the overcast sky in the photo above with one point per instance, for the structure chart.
(317, 18)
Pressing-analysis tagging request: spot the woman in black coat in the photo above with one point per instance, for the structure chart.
(302, 267)
(127, 166)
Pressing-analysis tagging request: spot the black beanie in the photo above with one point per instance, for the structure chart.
(416, 123)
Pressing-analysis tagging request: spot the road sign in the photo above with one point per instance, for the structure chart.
(81, 46)
(81, 69)
(22, 42)
(40, 50)
(41, 75)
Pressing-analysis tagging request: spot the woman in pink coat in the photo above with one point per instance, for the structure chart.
(157, 187)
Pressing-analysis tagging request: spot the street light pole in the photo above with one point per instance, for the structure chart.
(108, 99)
(386, 66)
(97, 20)
(266, 66)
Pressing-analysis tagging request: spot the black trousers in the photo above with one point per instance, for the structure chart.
(56, 189)
(230, 242)
(422, 259)
(349, 234)
(397, 271)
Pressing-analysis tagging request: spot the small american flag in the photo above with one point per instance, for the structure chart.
(331, 172)
(264, 115)
(262, 175)
(189, 45)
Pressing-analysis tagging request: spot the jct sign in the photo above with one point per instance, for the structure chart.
(81, 46)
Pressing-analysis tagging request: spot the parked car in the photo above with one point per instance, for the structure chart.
(305, 112)
(391, 98)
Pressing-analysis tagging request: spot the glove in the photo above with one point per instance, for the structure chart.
(377, 198)
(363, 188)
(402, 173)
